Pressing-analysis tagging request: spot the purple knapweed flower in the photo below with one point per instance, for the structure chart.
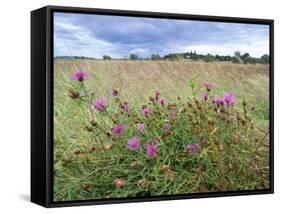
(229, 98)
(118, 129)
(146, 111)
(151, 150)
(209, 86)
(162, 101)
(99, 104)
(166, 127)
(217, 100)
(133, 143)
(204, 96)
(114, 93)
(192, 148)
(140, 127)
(157, 93)
(79, 75)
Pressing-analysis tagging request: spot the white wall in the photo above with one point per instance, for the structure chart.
(15, 99)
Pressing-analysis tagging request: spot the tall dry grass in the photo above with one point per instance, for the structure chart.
(79, 171)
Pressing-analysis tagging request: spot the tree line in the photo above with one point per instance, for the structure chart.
(238, 57)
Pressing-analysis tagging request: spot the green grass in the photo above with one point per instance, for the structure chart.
(232, 156)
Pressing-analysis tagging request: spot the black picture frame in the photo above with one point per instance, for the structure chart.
(42, 103)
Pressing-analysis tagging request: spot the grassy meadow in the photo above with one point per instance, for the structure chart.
(231, 142)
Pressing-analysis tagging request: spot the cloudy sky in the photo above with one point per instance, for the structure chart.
(98, 35)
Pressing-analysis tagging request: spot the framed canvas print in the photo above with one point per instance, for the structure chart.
(134, 106)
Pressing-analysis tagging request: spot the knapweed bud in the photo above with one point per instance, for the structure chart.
(66, 159)
(87, 187)
(77, 151)
(114, 93)
(93, 122)
(189, 116)
(92, 148)
(114, 119)
(234, 138)
(173, 104)
(238, 116)
(144, 183)
(210, 121)
(143, 106)
(244, 102)
(120, 182)
(217, 141)
(89, 129)
(73, 94)
(253, 108)
(252, 126)
(108, 134)
(194, 110)
(243, 121)
(156, 139)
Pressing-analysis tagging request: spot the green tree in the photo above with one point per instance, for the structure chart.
(106, 57)
(265, 58)
(134, 57)
(155, 57)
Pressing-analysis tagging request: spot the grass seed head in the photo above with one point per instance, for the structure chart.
(165, 168)
(136, 164)
(108, 146)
